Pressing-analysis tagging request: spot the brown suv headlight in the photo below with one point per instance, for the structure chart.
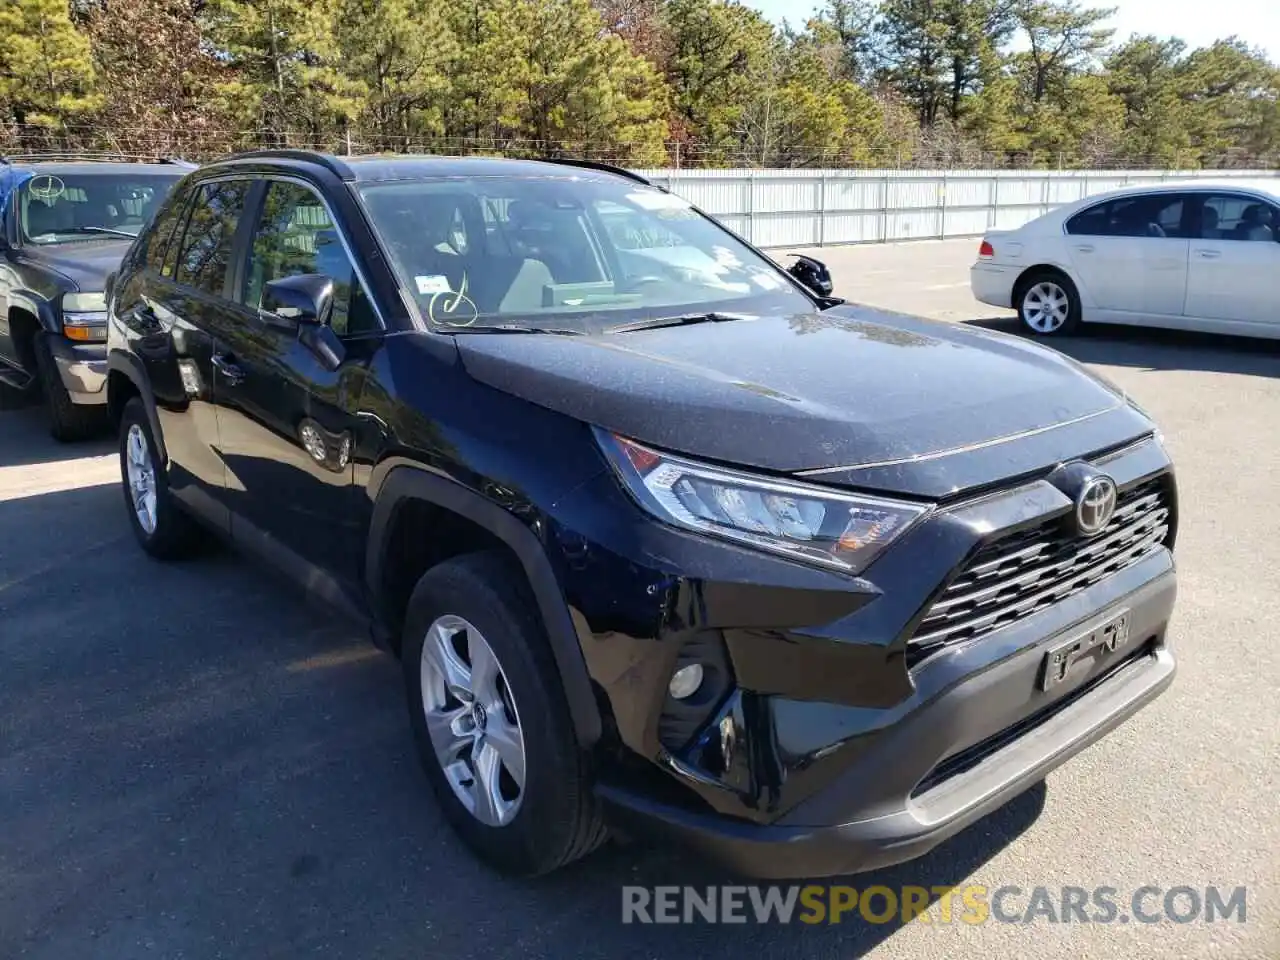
(84, 317)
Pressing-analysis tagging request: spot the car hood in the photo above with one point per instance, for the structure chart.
(867, 398)
(86, 262)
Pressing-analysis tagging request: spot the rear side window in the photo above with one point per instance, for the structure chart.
(155, 239)
(204, 256)
(1090, 223)
(1157, 215)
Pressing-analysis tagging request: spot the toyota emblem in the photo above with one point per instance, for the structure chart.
(1095, 504)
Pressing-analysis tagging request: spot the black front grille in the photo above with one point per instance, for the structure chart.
(1015, 576)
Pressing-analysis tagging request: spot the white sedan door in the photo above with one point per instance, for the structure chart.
(1235, 261)
(1130, 255)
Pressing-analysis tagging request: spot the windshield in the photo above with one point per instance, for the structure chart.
(61, 208)
(578, 255)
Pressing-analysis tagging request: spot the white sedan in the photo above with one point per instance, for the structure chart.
(1195, 256)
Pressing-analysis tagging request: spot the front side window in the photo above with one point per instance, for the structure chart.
(1238, 217)
(204, 256)
(62, 208)
(569, 253)
(295, 235)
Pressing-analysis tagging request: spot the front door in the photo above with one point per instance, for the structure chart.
(1235, 261)
(285, 418)
(1131, 254)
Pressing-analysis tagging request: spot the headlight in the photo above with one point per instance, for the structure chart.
(84, 317)
(815, 524)
(84, 302)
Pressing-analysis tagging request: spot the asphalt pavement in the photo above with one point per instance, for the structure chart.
(196, 763)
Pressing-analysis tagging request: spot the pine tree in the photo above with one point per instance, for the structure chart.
(46, 70)
(398, 56)
(544, 73)
(281, 56)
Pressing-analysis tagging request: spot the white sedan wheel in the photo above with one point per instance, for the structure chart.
(1046, 306)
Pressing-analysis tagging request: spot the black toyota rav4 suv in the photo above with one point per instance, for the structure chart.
(667, 538)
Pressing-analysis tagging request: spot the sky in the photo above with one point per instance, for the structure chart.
(1199, 22)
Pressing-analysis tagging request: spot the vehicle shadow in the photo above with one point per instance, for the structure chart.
(25, 440)
(199, 759)
(947, 866)
(1148, 348)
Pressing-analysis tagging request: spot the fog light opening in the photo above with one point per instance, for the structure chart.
(685, 681)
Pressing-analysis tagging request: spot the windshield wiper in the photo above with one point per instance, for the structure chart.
(110, 231)
(506, 328)
(682, 320)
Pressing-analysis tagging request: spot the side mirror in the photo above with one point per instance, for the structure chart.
(813, 274)
(305, 299)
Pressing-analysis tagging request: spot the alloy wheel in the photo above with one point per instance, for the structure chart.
(142, 478)
(1046, 307)
(472, 720)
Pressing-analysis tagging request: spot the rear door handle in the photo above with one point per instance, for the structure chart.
(1209, 254)
(228, 369)
(1085, 248)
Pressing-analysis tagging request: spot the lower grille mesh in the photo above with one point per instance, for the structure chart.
(1018, 575)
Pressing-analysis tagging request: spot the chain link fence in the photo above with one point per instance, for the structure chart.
(201, 143)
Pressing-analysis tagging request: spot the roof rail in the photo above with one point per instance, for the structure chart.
(326, 160)
(596, 165)
(77, 156)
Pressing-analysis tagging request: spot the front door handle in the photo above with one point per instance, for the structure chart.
(228, 369)
(1209, 254)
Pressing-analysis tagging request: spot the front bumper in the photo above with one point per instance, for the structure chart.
(992, 283)
(83, 369)
(829, 741)
(874, 815)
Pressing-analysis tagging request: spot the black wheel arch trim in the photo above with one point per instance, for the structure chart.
(129, 366)
(409, 482)
(38, 307)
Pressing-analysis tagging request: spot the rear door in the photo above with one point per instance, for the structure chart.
(286, 420)
(182, 302)
(1235, 260)
(1131, 253)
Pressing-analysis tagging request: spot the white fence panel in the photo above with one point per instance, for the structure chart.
(786, 208)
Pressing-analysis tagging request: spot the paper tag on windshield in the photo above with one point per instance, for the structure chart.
(430, 285)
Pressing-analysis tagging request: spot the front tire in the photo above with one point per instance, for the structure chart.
(1048, 304)
(490, 719)
(161, 528)
(68, 421)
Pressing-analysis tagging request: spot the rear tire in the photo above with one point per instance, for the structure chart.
(68, 421)
(161, 528)
(1048, 304)
(543, 813)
